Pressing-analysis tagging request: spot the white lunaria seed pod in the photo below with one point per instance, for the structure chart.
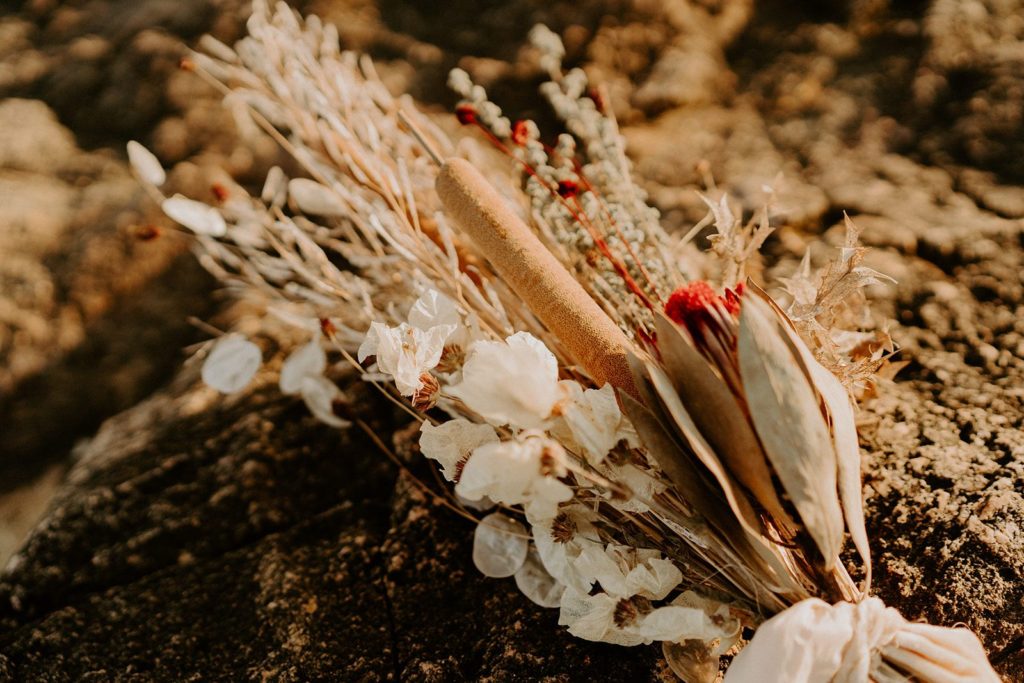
(499, 545)
(309, 360)
(536, 584)
(232, 363)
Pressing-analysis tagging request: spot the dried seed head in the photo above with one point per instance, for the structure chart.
(459, 467)
(452, 358)
(425, 397)
(563, 528)
(628, 610)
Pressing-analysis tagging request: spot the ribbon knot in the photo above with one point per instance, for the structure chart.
(814, 642)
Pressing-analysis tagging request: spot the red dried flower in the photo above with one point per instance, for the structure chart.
(690, 302)
(732, 299)
(568, 188)
(466, 114)
(327, 328)
(520, 132)
(712, 322)
(220, 192)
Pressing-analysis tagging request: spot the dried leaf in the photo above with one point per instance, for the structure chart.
(718, 416)
(663, 448)
(786, 414)
(694, 439)
(764, 553)
(844, 435)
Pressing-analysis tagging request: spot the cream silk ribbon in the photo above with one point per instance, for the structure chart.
(814, 642)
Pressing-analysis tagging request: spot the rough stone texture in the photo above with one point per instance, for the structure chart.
(239, 540)
(215, 539)
(90, 316)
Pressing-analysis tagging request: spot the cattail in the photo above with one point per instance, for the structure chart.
(534, 274)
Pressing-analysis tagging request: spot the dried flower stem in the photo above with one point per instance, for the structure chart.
(534, 274)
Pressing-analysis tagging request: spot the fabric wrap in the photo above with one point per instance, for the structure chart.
(814, 642)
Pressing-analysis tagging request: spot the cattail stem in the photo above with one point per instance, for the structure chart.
(535, 275)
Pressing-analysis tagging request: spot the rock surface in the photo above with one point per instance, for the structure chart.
(211, 539)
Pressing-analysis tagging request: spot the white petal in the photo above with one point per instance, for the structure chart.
(515, 382)
(371, 341)
(404, 352)
(594, 419)
(591, 617)
(544, 496)
(499, 546)
(425, 354)
(559, 558)
(319, 395)
(510, 472)
(644, 486)
(502, 471)
(313, 198)
(145, 164)
(725, 618)
(309, 360)
(232, 363)
(482, 505)
(432, 309)
(453, 441)
(599, 564)
(653, 579)
(675, 623)
(196, 216)
(536, 584)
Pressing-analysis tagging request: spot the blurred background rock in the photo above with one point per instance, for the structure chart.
(238, 540)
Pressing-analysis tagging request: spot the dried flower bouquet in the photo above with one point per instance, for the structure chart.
(658, 458)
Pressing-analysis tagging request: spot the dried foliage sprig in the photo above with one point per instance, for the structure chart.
(672, 464)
